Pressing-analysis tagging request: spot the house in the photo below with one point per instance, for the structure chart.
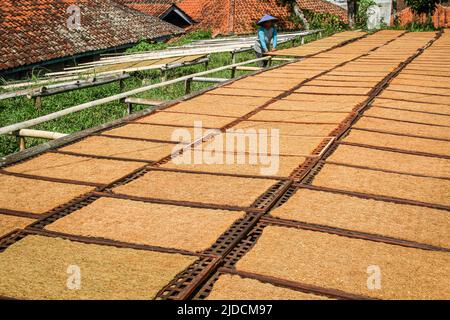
(52, 34)
(166, 10)
(240, 16)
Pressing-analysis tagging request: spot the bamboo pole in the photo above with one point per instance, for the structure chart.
(30, 133)
(56, 88)
(120, 96)
(91, 69)
(187, 86)
(212, 80)
(177, 52)
(37, 101)
(22, 143)
(39, 82)
(252, 37)
(16, 94)
(248, 68)
(93, 82)
(206, 48)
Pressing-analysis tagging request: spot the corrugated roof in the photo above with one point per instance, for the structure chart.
(33, 31)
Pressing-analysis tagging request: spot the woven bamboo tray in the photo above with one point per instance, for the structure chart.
(36, 196)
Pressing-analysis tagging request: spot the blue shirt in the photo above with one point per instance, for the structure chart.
(265, 38)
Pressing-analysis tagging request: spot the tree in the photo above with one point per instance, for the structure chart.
(420, 7)
(361, 18)
(394, 12)
(299, 13)
(352, 10)
(423, 6)
(295, 9)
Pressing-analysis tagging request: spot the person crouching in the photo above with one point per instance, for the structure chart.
(266, 40)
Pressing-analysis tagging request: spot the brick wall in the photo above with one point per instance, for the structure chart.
(441, 17)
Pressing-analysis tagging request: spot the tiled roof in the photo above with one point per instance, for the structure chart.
(209, 14)
(322, 6)
(248, 13)
(167, 10)
(240, 16)
(35, 31)
(152, 7)
(196, 8)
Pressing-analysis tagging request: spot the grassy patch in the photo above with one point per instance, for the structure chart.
(415, 27)
(183, 40)
(19, 109)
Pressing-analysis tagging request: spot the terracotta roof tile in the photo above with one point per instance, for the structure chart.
(439, 18)
(240, 16)
(152, 7)
(322, 6)
(248, 13)
(195, 8)
(34, 31)
(156, 9)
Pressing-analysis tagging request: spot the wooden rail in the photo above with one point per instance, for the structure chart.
(30, 133)
(188, 82)
(51, 89)
(38, 94)
(117, 97)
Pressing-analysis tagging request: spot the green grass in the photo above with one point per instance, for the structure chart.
(415, 27)
(19, 109)
(183, 40)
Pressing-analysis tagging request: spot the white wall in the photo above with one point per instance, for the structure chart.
(341, 3)
(386, 8)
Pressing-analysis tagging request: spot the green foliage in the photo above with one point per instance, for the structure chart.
(330, 23)
(413, 27)
(21, 108)
(361, 16)
(420, 27)
(183, 40)
(192, 36)
(143, 45)
(419, 7)
(423, 6)
(289, 3)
